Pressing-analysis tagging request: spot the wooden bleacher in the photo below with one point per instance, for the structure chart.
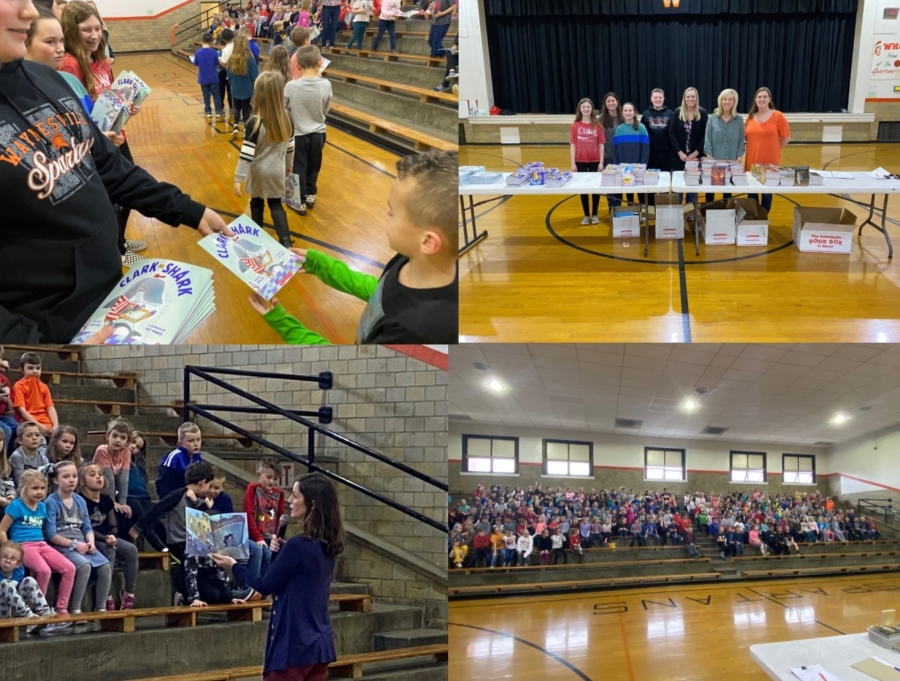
(68, 353)
(572, 564)
(114, 408)
(392, 56)
(820, 570)
(423, 141)
(580, 584)
(154, 560)
(346, 667)
(123, 621)
(99, 437)
(123, 379)
(424, 94)
(812, 556)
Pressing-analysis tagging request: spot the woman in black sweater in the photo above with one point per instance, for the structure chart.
(687, 132)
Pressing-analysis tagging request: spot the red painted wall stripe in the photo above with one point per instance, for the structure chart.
(424, 354)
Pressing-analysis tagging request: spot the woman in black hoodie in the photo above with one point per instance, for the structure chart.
(60, 177)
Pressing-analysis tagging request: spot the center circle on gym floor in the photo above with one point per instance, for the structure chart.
(640, 240)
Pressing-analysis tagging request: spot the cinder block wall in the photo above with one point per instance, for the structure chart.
(382, 399)
(138, 35)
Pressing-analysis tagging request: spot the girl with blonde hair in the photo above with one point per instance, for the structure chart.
(267, 154)
(687, 132)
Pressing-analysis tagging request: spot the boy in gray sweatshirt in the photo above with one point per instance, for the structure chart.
(307, 100)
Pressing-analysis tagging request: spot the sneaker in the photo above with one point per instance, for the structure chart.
(135, 245)
(301, 209)
(595, 220)
(234, 132)
(126, 602)
(586, 220)
(130, 258)
(459, 565)
(394, 52)
(220, 114)
(440, 88)
(208, 115)
(111, 604)
(178, 600)
(453, 74)
(311, 201)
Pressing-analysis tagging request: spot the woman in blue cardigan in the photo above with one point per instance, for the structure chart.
(300, 646)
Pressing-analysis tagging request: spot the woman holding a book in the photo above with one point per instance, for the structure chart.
(767, 133)
(725, 131)
(299, 644)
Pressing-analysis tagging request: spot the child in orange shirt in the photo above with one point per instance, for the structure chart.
(31, 397)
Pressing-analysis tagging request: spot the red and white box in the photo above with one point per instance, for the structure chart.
(752, 222)
(717, 224)
(824, 230)
(626, 222)
(669, 217)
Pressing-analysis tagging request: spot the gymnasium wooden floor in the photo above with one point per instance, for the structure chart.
(690, 633)
(522, 284)
(173, 141)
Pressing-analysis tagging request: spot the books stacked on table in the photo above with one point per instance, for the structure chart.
(556, 178)
(815, 179)
(651, 178)
(517, 179)
(465, 172)
(608, 176)
(485, 177)
(739, 178)
(787, 176)
(766, 174)
(886, 637)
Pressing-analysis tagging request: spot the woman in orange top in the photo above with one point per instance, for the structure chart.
(767, 133)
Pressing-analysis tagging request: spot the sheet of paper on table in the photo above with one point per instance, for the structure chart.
(813, 672)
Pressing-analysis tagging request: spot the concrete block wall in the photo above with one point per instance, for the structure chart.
(138, 35)
(884, 111)
(382, 399)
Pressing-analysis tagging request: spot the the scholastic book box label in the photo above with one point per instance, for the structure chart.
(752, 222)
(626, 223)
(669, 217)
(824, 230)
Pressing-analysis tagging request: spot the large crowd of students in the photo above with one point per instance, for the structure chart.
(537, 526)
(76, 517)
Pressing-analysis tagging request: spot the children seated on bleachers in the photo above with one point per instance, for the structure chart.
(71, 534)
(63, 446)
(170, 474)
(524, 547)
(458, 553)
(264, 506)
(102, 514)
(31, 396)
(416, 298)
(30, 454)
(482, 544)
(8, 423)
(138, 493)
(557, 541)
(114, 459)
(20, 596)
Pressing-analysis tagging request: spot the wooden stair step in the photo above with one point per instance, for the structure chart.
(424, 94)
(422, 140)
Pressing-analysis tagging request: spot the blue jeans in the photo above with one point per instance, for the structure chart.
(9, 425)
(330, 16)
(212, 90)
(436, 38)
(359, 32)
(260, 557)
(766, 200)
(392, 32)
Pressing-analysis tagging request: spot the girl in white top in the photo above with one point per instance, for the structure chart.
(362, 12)
(524, 547)
(390, 10)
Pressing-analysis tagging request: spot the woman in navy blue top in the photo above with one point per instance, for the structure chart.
(300, 646)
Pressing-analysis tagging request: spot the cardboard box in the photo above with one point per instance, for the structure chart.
(669, 217)
(824, 230)
(752, 222)
(626, 223)
(717, 224)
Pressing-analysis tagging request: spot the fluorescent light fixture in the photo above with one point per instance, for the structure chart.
(495, 385)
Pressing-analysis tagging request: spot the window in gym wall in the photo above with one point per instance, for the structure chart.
(482, 454)
(663, 464)
(748, 467)
(798, 469)
(563, 457)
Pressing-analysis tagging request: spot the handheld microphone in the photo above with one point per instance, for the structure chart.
(282, 525)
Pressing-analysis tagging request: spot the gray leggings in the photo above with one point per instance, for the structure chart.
(101, 587)
(129, 554)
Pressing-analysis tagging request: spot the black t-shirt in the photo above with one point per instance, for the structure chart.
(398, 314)
(657, 124)
(98, 512)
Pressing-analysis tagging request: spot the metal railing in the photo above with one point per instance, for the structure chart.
(877, 507)
(199, 21)
(325, 382)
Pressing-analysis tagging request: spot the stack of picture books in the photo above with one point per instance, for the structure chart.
(885, 636)
(766, 174)
(254, 256)
(156, 302)
(651, 178)
(112, 109)
(788, 176)
(692, 173)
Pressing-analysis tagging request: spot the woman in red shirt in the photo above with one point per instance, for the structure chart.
(586, 139)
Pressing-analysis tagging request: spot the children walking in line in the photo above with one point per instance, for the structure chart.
(308, 100)
(242, 74)
(267, 154)
(206, 59)
(101, 512)
(23, 523)
(70, 532)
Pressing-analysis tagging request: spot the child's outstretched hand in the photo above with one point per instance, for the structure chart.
(237, 189)
(260, 304)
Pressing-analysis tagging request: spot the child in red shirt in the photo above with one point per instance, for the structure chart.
(264, 506)
(587, 140)
(31, 398)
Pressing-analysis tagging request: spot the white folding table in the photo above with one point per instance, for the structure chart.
(581, 183)
(862, 183)
(835, 653)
